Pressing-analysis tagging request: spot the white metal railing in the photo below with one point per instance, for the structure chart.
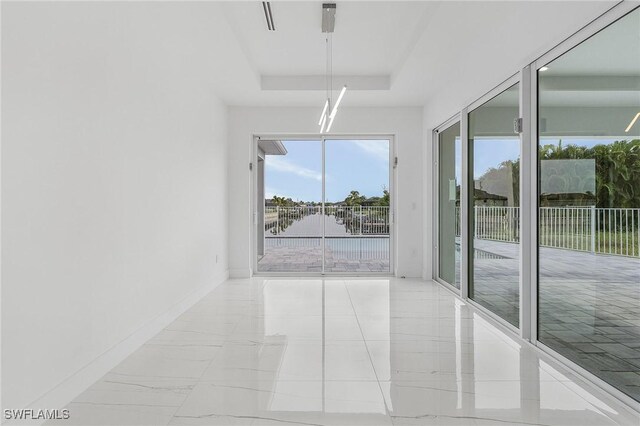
(497, 223)
(359, 220)
(614, 231)
(307, 221)
(359, 248)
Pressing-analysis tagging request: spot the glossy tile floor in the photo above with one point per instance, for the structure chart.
(589, 306)
(339, 352)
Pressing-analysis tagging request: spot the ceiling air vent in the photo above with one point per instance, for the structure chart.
(268, 16)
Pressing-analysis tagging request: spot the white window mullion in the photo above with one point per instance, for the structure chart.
(465, 211)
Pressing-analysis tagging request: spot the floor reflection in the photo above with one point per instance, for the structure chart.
(316, 352)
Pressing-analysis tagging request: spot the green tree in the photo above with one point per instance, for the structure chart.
(282, 202)
(617, 172)
(384, 201)
(354, 199)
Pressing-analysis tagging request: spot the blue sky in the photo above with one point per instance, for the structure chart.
(489, 153)
(360, 165)
(363, 165)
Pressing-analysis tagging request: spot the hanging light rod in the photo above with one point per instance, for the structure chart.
(633, 121)
(330, 123)
(324, 111)
(323, 120)
(335, 107)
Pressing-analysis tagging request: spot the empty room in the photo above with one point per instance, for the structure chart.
(320, 213)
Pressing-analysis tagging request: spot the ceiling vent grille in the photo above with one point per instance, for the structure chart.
(266, 6)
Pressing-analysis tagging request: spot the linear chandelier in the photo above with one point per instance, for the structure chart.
(633, 121)
(330, 109)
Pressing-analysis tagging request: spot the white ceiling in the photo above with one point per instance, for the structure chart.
(614, 51)
(424, 47)
(370, 38)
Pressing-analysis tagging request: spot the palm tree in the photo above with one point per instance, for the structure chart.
(354, 199)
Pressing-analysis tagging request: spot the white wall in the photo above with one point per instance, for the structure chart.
(114, 183)
(405, 123)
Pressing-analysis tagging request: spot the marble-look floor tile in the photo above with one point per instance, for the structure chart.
(206, 326)
(272, 402)
(491, 402)
(176, 337)
(293, 360)
(149, 391)
(342, 352)
(301, 327)
(325, 419)
(89, 414)
(129, 400)
(158, 360)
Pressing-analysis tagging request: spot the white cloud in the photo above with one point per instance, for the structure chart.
(270, 192)
(281, 164)
(376, 148)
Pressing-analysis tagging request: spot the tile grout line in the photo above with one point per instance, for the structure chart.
(199, 380)
(373, 367)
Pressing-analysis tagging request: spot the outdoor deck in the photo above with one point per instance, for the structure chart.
(352, 254)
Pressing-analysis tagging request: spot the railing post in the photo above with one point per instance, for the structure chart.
(277, 220)
(593, 229)
(360, 220)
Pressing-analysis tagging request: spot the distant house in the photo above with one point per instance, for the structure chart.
(572, 199)
(484, 198)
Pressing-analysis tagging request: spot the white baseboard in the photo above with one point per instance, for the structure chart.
(240, 273)
(70, 388)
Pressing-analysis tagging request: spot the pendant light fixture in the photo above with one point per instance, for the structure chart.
(330, 109)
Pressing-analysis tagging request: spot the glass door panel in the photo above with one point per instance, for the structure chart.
(449, 178)
(494, 159)
(357, 206)
(289, 193)
(589, 204)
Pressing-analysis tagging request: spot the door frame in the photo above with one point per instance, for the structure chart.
(253, 222)
(435, 179)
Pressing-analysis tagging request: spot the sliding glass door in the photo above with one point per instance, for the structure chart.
(449, 180)
(323, 206)
(589, 204)
(494, 205)
(357, 203)
(289, 201)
